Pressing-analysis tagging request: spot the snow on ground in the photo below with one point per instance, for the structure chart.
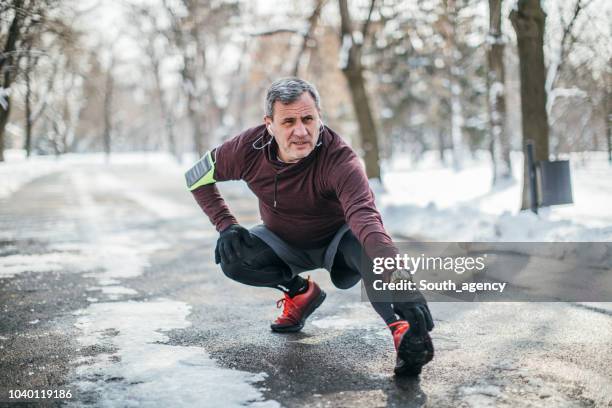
(350, 316)
(12, 265)
(434, 202)
(423, 199)
(17, 170)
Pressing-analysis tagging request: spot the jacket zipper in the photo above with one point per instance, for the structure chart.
(275, 187)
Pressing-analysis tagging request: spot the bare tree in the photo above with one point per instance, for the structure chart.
(352, 67)
(528, 20)
(8, 64)
(39, 83)
(30, 63)
(558, 59)
(35, 25)
(608, 114)
(308, 35)
(200, 24)
(499, 143)
(184, 34)
(450, 52)
(149, 38)
(37, 95)
(109, 88)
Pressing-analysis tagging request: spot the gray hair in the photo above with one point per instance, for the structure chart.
(288, 90)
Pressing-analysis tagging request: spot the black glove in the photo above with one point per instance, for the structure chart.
(230, 243)
(412, 306)
(417, 314)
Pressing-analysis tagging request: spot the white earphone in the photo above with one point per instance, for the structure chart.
(321, 128)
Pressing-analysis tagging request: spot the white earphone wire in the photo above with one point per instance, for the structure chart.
(263, 145)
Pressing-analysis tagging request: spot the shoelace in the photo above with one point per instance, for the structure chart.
(398, 329)
(399, 326)
(289, 307)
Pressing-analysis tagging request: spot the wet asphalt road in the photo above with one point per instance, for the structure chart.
(511, 354)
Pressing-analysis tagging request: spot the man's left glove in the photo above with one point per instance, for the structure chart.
(412, 306)
(231, 242)
(417, 314)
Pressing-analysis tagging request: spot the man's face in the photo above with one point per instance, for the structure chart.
(295, 128)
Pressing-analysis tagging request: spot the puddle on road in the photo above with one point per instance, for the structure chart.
(145, 371)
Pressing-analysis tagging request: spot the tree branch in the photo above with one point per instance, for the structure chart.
(366, 24)
(274, 32)
(312, 25)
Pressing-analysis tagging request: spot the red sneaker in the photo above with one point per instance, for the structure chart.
(413, 351)
(298, 308)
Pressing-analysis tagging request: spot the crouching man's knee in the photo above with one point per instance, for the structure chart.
(234, 270)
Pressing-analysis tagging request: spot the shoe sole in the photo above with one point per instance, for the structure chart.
(414, 359)
(311, 308)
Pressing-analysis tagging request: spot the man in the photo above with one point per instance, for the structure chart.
(318, 212)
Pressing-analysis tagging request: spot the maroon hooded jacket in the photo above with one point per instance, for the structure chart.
(304, 203)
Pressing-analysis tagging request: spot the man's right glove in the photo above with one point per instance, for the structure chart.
(231, 242)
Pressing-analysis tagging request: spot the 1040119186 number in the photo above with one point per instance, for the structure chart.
(40, 394)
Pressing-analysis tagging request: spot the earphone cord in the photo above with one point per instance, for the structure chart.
(263, 145)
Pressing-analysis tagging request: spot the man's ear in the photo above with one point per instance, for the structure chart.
(268, 123)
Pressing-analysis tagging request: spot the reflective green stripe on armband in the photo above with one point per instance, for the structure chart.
(202, 173)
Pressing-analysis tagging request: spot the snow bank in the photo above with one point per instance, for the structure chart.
(17, 170)
(429, 201)
(464, 223)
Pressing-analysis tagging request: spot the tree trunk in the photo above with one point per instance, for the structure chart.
(528, 21)
(191, 85)
(457, 123)
(499, 143)
(441, 146)
(454, 86)
(608, 113)
(7, 66)
(609, 131)
(353, 71)
(185, 35)
(28, 104)
(163, 107)
(5, 111)
(198, 115)
(108, 103)
(367, 127)
(196, 128)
